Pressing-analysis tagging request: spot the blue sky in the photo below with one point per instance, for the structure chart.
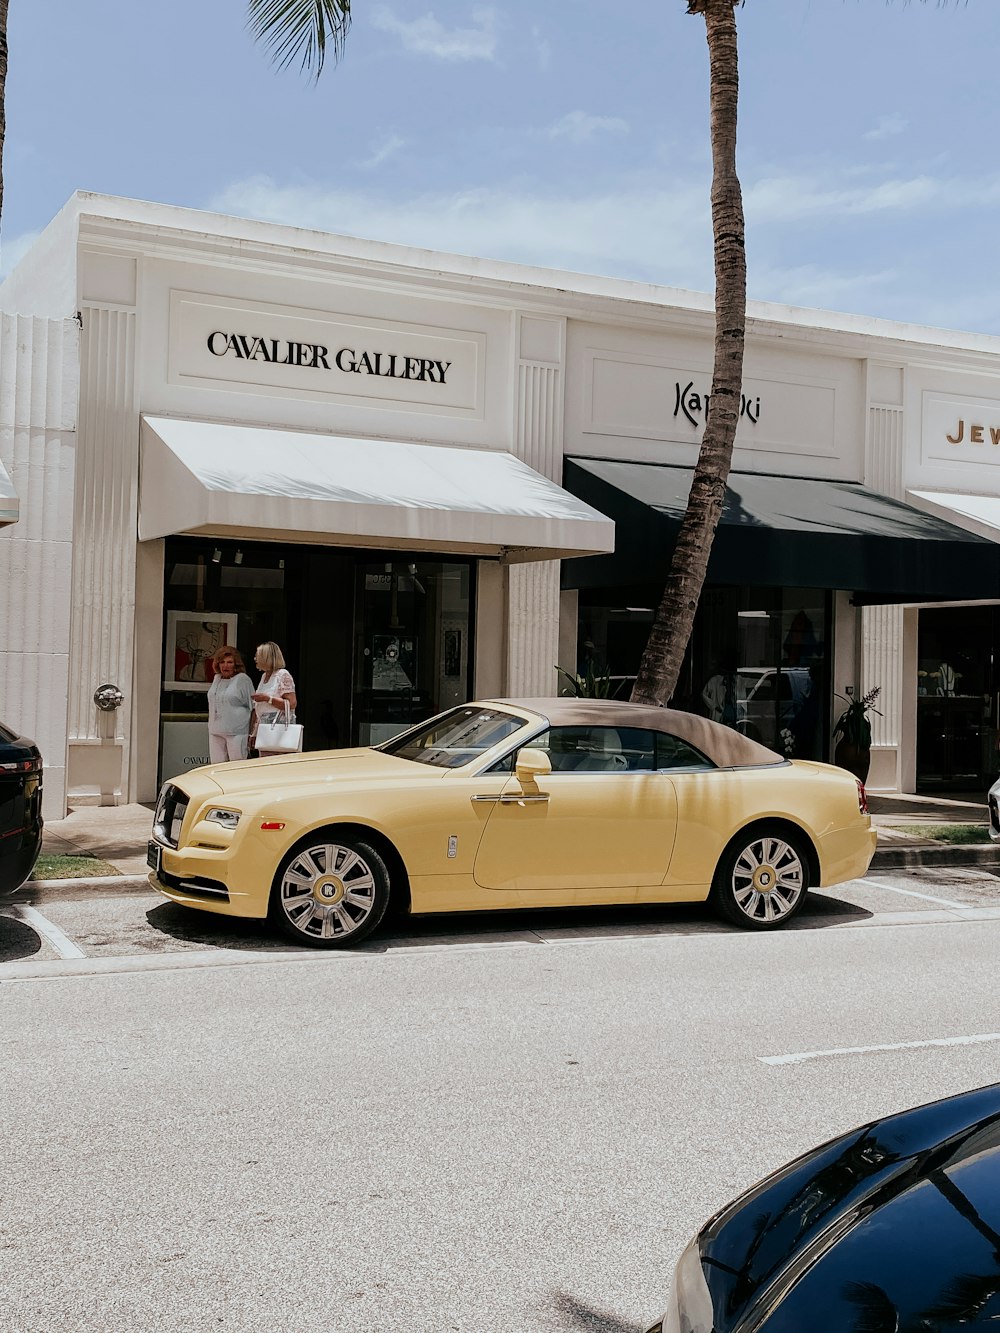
(566, 133)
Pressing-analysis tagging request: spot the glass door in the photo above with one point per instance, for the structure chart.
(958, 654)
(412, 649)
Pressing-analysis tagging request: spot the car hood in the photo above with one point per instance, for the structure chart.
(889, 1214)
(316, 767)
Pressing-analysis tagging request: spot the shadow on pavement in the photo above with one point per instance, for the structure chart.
(530, 925)
(17, 939)
(189, 926)
(588, 1319)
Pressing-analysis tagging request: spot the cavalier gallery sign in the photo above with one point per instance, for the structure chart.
(218, 342)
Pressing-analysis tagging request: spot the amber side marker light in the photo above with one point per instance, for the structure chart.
(271, 825)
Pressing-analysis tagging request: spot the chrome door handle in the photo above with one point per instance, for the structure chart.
(515, 798)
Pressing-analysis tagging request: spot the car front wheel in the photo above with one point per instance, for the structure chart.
(331, 891)
(762, 879)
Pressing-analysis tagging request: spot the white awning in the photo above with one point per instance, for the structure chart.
(281, 485)
(975, 513)
(9, 503)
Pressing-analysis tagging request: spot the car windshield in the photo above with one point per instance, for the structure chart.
(455, 739)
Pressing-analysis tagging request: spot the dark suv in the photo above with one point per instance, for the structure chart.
(20, 809)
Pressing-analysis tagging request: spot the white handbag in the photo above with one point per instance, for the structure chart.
(282, 735)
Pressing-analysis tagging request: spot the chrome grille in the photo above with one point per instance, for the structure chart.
(170, 811)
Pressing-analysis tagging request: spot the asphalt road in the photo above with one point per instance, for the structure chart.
(509, 1123)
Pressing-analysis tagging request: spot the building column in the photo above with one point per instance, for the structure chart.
(881, 661)
(533, 588)
(39, 390)
(105, 526)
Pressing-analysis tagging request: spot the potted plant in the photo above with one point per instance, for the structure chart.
(853, 733)
(588, 684)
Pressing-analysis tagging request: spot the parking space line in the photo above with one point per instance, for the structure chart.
(62, 943)
(799, 1057)
(912, 893)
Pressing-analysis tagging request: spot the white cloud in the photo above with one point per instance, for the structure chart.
(640, 232)
(578, 126)
(426, 36)
(543, 51)
(888, 126)
(818, 288)
(14, 250)
(385, 150)
(785, 198)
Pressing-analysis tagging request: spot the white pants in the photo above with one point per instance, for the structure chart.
(221, 748)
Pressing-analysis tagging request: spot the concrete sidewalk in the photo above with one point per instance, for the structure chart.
(899, 849)
(118, 834)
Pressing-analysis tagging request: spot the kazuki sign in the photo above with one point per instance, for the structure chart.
(694, 406)
(220, 342)
(314, 356)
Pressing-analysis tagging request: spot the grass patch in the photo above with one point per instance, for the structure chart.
(71, 867)
(956, 834)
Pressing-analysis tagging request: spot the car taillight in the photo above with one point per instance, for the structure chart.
(21, 766)
(862, 798)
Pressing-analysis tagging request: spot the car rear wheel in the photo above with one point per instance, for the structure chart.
(331, 891)
(762, 879)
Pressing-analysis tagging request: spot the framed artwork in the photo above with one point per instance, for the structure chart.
(192, 638)
(453, 652)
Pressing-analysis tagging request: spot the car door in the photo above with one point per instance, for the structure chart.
(603, 818)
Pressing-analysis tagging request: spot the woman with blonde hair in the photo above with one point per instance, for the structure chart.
(276, 688)
(229, 707)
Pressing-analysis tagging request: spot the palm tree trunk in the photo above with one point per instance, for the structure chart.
(3, 89)
(660, 667)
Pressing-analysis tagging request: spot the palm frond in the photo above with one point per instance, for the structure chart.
(301, 30)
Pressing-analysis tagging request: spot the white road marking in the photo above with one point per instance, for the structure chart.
(798, 1057)
(912, 893)
(62, 944)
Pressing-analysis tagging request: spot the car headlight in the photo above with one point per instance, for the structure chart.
(224, 818)
(690, 1308)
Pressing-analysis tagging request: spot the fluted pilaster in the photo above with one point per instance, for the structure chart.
(105, 524)
(38, 401)
(533, 589)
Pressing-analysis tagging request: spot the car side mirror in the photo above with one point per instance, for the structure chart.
(531, 765)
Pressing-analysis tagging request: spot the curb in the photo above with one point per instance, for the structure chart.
(909, 858)
(128, 883)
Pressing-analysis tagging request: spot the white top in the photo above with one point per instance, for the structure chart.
(274, 684)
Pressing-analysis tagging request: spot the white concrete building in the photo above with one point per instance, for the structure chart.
(390, 461)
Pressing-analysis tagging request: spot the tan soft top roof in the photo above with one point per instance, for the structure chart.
(725, 747)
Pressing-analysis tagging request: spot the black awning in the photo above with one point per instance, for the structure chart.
(781, 532)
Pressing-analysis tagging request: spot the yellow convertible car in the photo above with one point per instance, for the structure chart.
(511, 803)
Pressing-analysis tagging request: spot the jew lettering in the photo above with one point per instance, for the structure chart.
(313, 356)
(976, 435)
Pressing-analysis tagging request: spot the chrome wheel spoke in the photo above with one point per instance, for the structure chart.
(347, 922)
(350, 860)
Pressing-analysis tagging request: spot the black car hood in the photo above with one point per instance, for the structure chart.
(875, 1229)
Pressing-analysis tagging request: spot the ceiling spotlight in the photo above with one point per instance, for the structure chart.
(281, 564)
(216, 556)
(238, 557)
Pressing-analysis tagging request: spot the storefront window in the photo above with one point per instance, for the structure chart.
(373, 644)
(757, 660)
(957, 682)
